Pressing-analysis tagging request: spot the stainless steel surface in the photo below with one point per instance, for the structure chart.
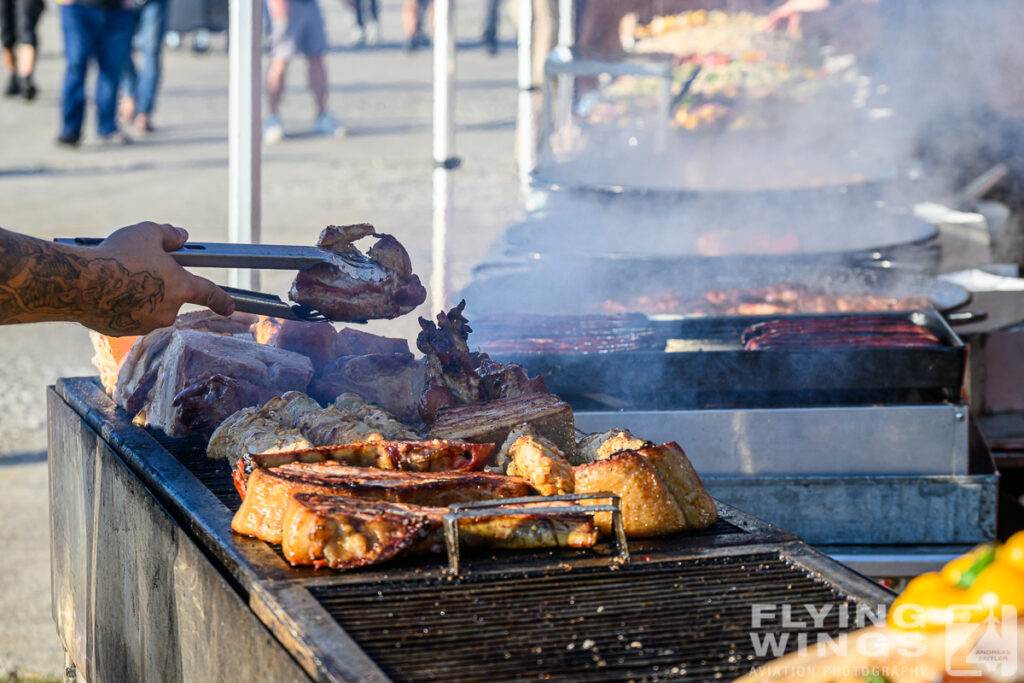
(833, 441)
(445, 161)
(500, 508)
(894, 562)
(261, 303)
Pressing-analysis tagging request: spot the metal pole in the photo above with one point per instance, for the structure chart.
(244, 129)
(526, 124)
(445, 160)
(566, 41)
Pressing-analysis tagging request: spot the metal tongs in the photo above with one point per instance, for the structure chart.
(266, 256)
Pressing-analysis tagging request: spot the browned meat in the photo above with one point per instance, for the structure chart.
(349, 342)
(343, 532)
(455, 376)
(539, 462)
(204, 405)
(192, 357)
(369, 290)
(853, 332)
(267, 491)
(313, 340)
(394, 381)
(659, 492)
(491, 421)
(595, 447)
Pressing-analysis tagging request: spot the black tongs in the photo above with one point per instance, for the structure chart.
(265, 256)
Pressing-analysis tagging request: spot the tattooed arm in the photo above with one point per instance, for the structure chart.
(126, 285)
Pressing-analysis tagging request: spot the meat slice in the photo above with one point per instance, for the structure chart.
(267, 490)
(539, 462)
(359, 288)
(491, 421)
(204, 405)
(659, 492)
(394, 381)
(593, 447)
(194, 356)
(313, 340)
(349, 342)
(344, 532)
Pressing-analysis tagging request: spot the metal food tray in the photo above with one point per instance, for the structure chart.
(149, 583)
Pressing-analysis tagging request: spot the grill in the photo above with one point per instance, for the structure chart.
(128, 505)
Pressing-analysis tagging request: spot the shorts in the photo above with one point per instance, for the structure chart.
(18, 20)
(303, 33)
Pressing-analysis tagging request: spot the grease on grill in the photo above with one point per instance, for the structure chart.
(689, 618)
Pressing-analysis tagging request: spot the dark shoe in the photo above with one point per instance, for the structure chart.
(28, 88)
(13, 87)
(490, 42)
(115, 139)
(68, 139)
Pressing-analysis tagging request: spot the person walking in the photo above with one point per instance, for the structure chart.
(140, 86)
(367, 31)
(18, 21)
(413, 14)
(100, 31)
(297, 26)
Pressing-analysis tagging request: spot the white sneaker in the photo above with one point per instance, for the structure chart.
(328, 125)
(273, 131)
(372, 33)
(358, 36)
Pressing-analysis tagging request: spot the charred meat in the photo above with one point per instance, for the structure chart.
(357, 287)
(838, 333)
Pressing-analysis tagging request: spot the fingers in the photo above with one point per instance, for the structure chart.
(205, 293)
(172, 238)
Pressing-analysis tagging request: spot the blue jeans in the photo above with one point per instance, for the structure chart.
(151, 23)
(103, 35)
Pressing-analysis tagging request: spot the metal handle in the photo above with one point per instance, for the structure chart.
(965, 317)
(260, 303)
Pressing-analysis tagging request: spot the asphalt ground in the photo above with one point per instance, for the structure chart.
(380, 173)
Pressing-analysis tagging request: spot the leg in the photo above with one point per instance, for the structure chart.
(79, 28)
(318, 83)
(28, 20)
(114, 48)
(153, 24)
(129, 82)
(490, 38)
(360, 19)
(275, 84)
(7, 40)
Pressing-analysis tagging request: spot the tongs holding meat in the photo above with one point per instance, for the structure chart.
(335, 281)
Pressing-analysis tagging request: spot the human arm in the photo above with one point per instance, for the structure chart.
(128, 284)
(791, 12)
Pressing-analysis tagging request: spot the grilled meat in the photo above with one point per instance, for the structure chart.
(204, 405)
(594, 447)
(343, 532)
(491, 421)
(539, 462)
(349, 342)
(394, 381)
(854, 332)
(382, 286)
(267, 490)
(313, 340)
(659, 491)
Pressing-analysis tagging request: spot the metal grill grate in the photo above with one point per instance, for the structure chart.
(689, 618)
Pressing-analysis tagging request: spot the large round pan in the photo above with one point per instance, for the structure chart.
(542, 289)
(811, 232)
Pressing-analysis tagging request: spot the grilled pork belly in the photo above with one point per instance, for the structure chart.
(382, 286)
(491, 421)
(267, 491)
(594, 447)
(343, 532)
(659, 491)
(539, 462)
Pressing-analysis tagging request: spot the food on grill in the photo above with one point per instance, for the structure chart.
(204, 405)
(491, 421)
(359, 288)
(314, 340)
(509, 334)
(660, 493)
(594, 447)
(394, 381)
(455, 376)
(783, 297)
(268, 490)
(343, 532)
(862, 332)
(350, 342)
(539, 462)
(193, 356)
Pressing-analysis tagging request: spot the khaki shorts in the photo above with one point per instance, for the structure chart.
(303, 33)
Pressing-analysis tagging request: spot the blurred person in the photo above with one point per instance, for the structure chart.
(127, 285)
(366, 32)
(490, 36)
(18, 21)
(297, 27)
(413, 14)
(100, 31)
(140, 86)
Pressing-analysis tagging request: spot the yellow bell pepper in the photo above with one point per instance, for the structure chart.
(1012, 552)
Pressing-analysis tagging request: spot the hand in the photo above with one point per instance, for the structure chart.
(791, 12)
(150, 286)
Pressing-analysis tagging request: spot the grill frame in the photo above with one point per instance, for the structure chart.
(283, 598)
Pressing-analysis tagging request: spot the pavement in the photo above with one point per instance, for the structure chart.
(380, 173)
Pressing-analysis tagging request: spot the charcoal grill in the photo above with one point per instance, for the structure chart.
(149, 583)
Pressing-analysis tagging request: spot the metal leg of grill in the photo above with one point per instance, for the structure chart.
(70, 670)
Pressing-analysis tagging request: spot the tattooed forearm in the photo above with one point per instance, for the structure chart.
(43, 281)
